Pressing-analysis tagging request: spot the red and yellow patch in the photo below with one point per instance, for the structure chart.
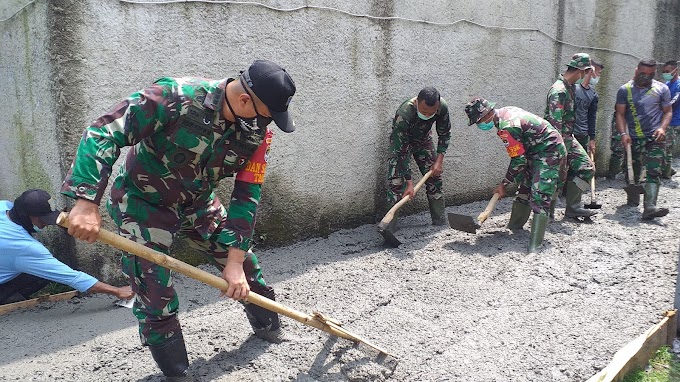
(514, 147)
(256, 166)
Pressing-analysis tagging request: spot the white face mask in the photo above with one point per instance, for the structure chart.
(594, 80)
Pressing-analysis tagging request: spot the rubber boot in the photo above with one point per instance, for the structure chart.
(614, 167)
(573, 196)
(537, 231)
(651, 211)
(551, 212)
(171, 358)
(519, 215)
(437, 210)
(265, 323)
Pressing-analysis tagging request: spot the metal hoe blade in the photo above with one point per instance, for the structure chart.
(633, 190)
(463, 223)
(389, 237)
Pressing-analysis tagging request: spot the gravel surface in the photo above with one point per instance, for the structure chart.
(451, 306)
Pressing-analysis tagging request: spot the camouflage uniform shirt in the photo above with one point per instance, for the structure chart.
(559, 111)
(526, 137)
(181, 147)
(408, 129)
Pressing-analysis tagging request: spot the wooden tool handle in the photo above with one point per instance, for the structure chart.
(629, 162)
(390, 214)
(179, 266)
(592, 180)
(489, 207)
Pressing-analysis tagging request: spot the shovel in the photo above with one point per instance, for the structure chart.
(593, 205)
(388, 235)
(631, 189)
(316, 320)
(467, 223)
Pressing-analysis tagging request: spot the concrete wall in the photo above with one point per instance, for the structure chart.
(351, 72)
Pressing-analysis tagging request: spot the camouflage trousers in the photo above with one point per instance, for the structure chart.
(650, 155)
(578, 163)
(670, 142)
(423, 154)
(617, 150)
(155, 226)
(584, 140)
(542, 177)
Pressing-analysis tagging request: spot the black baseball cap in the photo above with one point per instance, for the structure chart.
(274, 87)
(36, 203)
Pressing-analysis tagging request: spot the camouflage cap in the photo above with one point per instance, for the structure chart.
(477, 109)
(580, 61)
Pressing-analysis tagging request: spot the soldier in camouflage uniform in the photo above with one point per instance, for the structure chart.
(412, 135)
(560, 113)
(644, 105)
(537, 155)
(186, 135)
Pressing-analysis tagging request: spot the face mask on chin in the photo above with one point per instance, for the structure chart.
(249, 124)
(643, 80)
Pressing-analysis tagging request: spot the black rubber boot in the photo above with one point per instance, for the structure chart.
(614, 167)
(519, 215)
(574, 209)
(651, 210)
(437, 210)
(171, 357)
(538, 225)
(265, 323)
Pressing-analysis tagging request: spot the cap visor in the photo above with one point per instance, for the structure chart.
(284, 121)
(51, 218)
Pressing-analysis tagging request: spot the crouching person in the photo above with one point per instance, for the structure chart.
(537, 155)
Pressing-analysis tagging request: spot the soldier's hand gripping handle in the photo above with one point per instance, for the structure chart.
(84, 221)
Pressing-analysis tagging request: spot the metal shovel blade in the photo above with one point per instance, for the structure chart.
(593, 205)
(390, 239)
(633, 190)
(463, 223)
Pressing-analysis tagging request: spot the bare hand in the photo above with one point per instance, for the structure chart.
(84, 221)
(410, 191)
(124, 293)
(591, 146)
(659, 135)
(625, 140)
(234, 275)
(500, 190)
(438, 166)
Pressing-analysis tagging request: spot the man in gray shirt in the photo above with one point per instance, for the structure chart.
(586, 108)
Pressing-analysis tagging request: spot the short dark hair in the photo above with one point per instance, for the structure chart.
(571, 69)
(596, 63)
(672, 63)
(430, 95)
(648, 62)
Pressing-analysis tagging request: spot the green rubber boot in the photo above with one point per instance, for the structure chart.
(519, 215)
(537, 231)
(438, 211)
(574, 209)
(651, 210)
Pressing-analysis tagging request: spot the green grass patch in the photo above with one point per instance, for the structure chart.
(52, 288)
(664, 367)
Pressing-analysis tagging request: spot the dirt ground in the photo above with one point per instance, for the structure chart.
(451, 306)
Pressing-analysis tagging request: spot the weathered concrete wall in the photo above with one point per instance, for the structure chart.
(352, 73)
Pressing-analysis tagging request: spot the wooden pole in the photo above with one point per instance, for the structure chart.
(179, 266)
(6, 308)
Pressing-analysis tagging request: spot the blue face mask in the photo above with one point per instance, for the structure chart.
(485, 125)
(36, 229)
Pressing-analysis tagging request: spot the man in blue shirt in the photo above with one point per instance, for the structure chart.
(670, 76)
(26, 266)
